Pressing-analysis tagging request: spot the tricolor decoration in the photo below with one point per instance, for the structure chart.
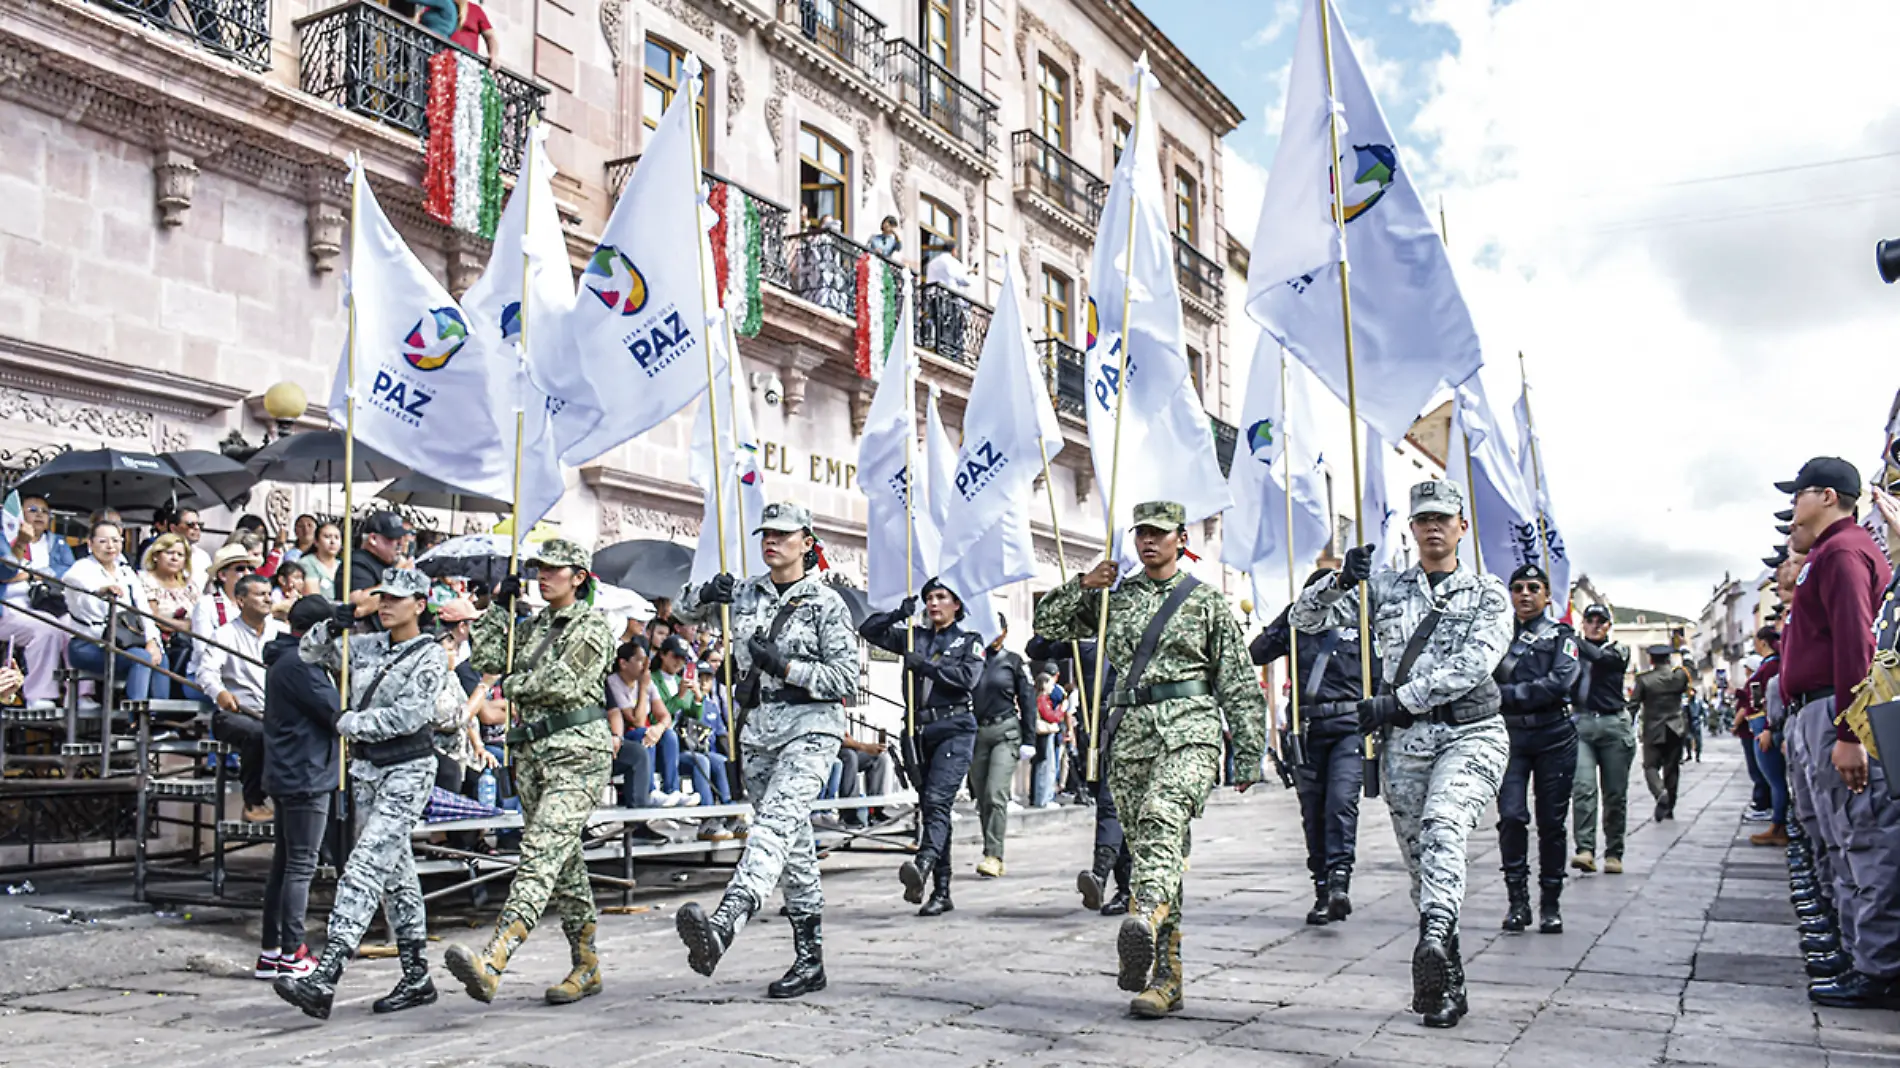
(462, 185)
(738, 250)
(880, 288)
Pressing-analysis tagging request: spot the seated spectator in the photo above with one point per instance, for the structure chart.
(255, 533)
(864, 771)
(218, 605)
(680, 695)
(475, 29)
(301, 771)
(321, 563)
(235, 684)
(192, 528)
(636, 715)
(172, 596)
(40, 645)
(98, 516)
(288, 586)
(303, 538)
(105, 576)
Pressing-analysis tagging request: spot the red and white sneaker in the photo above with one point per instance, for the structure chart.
(297, 965)
(269, 965)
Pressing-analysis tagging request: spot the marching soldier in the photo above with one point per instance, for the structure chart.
(563, 753)
(1606, 745)
(1535, 679)
(1185, 666)
(1328, 783)
(799, 660)
(942, 666)
(1439, 631)
(1660, 693)
(395, 677)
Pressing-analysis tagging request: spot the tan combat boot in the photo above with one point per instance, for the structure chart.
(481, 974)
(1163, 995)
(1135, 944)
(584, 980)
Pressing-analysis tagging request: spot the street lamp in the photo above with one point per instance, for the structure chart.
(285, 402)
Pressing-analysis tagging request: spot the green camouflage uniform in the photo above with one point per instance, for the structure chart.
(559, 778)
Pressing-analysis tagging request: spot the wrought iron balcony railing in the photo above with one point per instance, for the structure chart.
(950, 324)
(363, 58)
(842, 29)
(1068, 375)
(942, 98)
(1200, 277)
(1047, 171)
(1226, 436)
(774, 266)
(238, 30)
(822, 267)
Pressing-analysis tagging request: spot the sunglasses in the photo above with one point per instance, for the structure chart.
(193, 525)
(1527, 587)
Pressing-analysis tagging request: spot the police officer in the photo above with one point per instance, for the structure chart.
(1185, 667)
(563, 753)
(1328, 783)
(1535, 680)
(1606, 745)
(1658, 695)
(799, 659)
(942, 663)
(1439, 631)
(1111, 859)
(1005, 700)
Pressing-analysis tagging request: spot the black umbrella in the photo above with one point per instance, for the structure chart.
(103, 478)
(316, 457)
(856, 601)
(652, 569)
(418, 490)
(213, 479)
(482, 557)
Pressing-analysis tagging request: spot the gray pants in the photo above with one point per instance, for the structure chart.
(992, 770)
(1801, 804)
(779, 851)
(1866, 830)
(1606, 747)
(1439, 780)
(382, 867)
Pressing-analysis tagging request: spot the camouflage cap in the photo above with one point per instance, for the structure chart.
(559, 552)
(1163, 515)
(784, 517)
(404, 582)
(1436, 497)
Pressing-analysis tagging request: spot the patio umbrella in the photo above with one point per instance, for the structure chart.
(481, 557)
(649, 567)
(84, 480)
(418, 490)
(316, 457)
(212, 478)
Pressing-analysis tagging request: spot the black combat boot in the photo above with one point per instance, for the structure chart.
(1431, 962)
(1093, 883)
(1452, 1005)
(1124, 869)
(1318, 916)
(313, 993)
(1550, 919)
(939, 902)
(1518, 916)
(915, 874)
(708, 937)
(1339, 893)
(415, 987)
(807, 974)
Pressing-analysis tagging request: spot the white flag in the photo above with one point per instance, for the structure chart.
(1411, 329)
(884, 457)
(741, 479)
(1254, 537)
(424, 395)
(1167, 438)
(637, 336)
(1007, 424)
(1374, 507)
(941, 461)
(1499, 504)
(1549, 540)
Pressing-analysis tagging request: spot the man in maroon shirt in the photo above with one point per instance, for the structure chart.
(1826, 649)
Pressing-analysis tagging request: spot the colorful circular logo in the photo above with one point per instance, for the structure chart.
(1373, 167)
(435, 338)
(612, 277)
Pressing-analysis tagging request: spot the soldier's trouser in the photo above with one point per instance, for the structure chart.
(779, 851)
(1157, 795)
(992, 768)
(559, 789)
(1439, 779)
(1328, 785)
(1541, 772)
(1801, 801)
(1606, 747)
(945, 747)
(381, 867)
(1662, 768)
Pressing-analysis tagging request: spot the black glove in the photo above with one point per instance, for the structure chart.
(344, 618)
(908, 608)
(767, 657)
(1376, 712)
(508, 590)
(1357, 566)
(718, 591)
(916, 662)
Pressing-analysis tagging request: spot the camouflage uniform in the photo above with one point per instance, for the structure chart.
(1166, 754)
(560, 777)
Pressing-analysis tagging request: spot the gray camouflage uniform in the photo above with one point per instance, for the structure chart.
(789, 745)
(382, 866)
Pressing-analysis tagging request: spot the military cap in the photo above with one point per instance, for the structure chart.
(784, 517)
(1596, 611)
(1786, 515)
(559, 552)
(1662, 652)
(1436, 497)
(1162, 515)
(1530, 572)
(1825, 472)
(404, 582)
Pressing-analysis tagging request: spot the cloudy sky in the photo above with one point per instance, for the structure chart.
(1671, 208)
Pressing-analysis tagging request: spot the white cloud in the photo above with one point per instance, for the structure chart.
(1285, 16)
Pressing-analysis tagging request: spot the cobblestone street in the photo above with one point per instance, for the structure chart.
(1687, 959)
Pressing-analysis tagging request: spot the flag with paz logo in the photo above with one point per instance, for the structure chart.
(1501, 509)
(1548, 540)
(1254, 536)
(941, 461)
(741, 482)
(885, 476)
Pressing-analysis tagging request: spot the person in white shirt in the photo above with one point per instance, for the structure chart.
(38, 644)
(104, 575)
(192, 529)
(944, 312)
(236, 685)
(219, 604)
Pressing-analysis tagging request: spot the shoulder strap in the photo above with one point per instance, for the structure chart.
(1316, 676)
(1415, 646)
(1150, 638)
(369, 692)
(547, 640)
(1519, 646)
(782, 617)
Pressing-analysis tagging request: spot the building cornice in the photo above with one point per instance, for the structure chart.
(1125, 22)
(59, 373)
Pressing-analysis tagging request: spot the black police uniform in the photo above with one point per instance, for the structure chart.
(1329, 781)
(946, 667)
(1536, 679)
(1111, 847)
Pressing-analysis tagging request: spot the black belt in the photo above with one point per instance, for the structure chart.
(1605, 711)
(1159, 692)
(535, 730)
(1003, 717)
(1531, 721)
(1459, 714)
(1328, 709)
(398, 750)
(939, 713)
(1801, 700)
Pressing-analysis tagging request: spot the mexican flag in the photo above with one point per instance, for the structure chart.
(880, 292)
(738, 251)
(462, 185)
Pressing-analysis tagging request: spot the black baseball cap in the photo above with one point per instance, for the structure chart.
(385, 524)
(1530, 571)
(678, 647)
(1784, 528)
(1786, 515)
(1825, 472)
(1596, 611)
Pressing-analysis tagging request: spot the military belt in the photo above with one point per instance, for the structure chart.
(398, 750)
(938, 713)
(1530, 721)
(1158, 692)
(536, 730)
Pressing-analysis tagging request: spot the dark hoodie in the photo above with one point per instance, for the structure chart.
(300, 714)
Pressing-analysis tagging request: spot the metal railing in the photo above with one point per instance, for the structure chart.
(950, 324)
(1049, 172)
(238, 30)
(1226, 437)
(942, 98)
(1068, 375)
(363, 58)
(774, 266)
(1200, 277)
(822, 267)
(844, 30)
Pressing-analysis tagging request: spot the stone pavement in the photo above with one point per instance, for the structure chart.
(1687, 959)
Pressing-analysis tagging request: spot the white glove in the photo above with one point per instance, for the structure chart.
(1025, 752)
